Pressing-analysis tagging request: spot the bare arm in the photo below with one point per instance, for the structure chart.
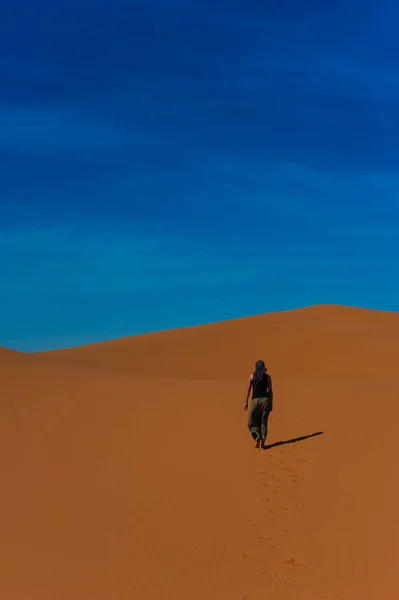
(249, 386)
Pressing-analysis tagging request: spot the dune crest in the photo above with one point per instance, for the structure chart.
(314, 342)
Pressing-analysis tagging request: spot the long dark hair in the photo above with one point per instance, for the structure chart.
(259, 373)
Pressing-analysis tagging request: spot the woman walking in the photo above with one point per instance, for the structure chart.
(260, 383)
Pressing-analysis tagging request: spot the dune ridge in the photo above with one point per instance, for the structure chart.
(359, 342)
(125, 481)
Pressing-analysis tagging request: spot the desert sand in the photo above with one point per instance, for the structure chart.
(128, 471)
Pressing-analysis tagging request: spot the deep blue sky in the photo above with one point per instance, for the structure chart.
(168, 163)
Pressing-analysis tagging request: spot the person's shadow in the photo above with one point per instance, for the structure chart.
(293, 440)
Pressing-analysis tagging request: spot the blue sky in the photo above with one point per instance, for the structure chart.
(169, 163)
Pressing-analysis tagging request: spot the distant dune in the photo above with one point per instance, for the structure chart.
(315, 342)
(128, 472)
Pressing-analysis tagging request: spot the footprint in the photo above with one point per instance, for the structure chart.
(296, 562)
(246, 556)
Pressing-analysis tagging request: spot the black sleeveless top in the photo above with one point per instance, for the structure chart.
(261, 389)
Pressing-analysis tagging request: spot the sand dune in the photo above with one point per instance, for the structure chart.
(315, 342)
(8, 357)
(128, 472)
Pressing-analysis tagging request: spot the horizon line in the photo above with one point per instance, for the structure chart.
(210, 323)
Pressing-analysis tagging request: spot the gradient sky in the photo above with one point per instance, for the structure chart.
(169, 163)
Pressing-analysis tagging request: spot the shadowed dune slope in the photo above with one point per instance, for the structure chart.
(313, 342)
(17, 364)
(118, 484)
(9, 356)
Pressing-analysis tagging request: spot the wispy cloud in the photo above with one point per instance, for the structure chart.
(58, 130)
(68, 261)
(72, 262)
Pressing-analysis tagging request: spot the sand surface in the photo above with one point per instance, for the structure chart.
(128, 471)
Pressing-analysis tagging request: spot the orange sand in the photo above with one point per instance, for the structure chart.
(121, 480)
